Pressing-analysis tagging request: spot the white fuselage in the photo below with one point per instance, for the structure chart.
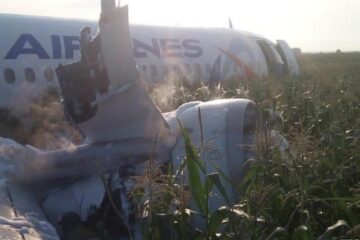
(32, 47)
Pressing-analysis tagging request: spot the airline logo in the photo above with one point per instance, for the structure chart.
(27, 44)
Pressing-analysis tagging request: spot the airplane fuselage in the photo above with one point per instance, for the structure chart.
(32, 47)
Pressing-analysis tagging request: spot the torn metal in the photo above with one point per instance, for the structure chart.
(104, 96)
(103, 93)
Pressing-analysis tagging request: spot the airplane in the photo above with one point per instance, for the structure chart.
(42, 186)
(32, 47)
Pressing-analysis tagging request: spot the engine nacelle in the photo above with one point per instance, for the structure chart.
(228, 130)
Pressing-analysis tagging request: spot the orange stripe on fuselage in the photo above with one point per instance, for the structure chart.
(248, 71)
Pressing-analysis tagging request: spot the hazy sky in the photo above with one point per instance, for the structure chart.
(313, 25)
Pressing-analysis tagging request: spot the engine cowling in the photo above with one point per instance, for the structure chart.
(228, 129)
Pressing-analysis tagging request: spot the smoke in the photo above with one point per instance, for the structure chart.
(43, 126)
(163, 96)
(50, 129)
(9, 151)
(176, 91)
(172, 82)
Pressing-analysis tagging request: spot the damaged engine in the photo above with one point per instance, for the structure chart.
(84, 190)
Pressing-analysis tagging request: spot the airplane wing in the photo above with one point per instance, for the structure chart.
(103, 93)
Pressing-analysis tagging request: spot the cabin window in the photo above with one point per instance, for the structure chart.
(226, 68)
(188, 68)
(143, 68)
(177, 70)
(198, 71)
(30, 75)
(208, 68)
(165, 70)
(49, 74)
(9, 75)
(153, 71)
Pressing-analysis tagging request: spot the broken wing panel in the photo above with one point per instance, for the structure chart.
(122, 109)
(116, 48)
(128, 115)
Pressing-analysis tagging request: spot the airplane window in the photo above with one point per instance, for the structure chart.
(177, 70)
(9, 75)
(226, 68)
(198, 70)
(188, 68)
(208, 68)
(153, 70)
(49, 74)
(29, 75)
(165, 70)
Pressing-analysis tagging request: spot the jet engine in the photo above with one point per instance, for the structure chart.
(103, 95)
(224, 132)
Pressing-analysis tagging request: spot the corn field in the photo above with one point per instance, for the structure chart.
(313, 192)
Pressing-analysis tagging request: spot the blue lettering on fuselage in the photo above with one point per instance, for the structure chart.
(27, 44)
(170, 48)
(20, 48)
(56, 46)
(71, 43)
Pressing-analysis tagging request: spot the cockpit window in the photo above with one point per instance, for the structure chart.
(9, 75)
(49, 74)
(30, 75)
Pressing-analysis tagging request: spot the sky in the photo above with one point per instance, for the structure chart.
(312, 25)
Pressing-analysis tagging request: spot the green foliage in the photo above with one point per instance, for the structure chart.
(194, 166)
(313, 193)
